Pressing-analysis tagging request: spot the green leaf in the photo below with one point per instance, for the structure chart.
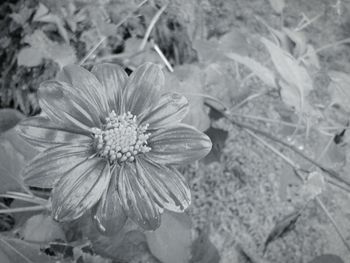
(21, 251)
(265, 74)
(171, 242)
(14, 154)
(9, 118)
(339, 88)
(294, 74)
(203, 251)
(42, 229)
(30, 57)
(62, 54)
(277, 5)
(187, 80)
(282, 227)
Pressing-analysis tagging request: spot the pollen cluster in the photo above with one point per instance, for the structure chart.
(121, 139)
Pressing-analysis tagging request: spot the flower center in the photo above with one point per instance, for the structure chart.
(121, 139)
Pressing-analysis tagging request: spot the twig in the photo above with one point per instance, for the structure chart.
(104, 37)
(267, 120)
(330, 172)
(334, 223)
(297, 168)
(165, 60)
(151, 26)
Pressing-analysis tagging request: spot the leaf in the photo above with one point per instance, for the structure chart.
(42, 229)
(288, 68)
(171, 242)
(327, 258)
(262, 72)
(295, 75)
(218, 138)
(30, 57)
(339, 88)
(43, 15)
(214, 50)
(127, 245)
(21, 251)
(14, 154)
(299, 46)
(186, 79)
(9, 118)
(314, 185)
(203, 250)
(62, 54)
(277, 5)
(282, 227)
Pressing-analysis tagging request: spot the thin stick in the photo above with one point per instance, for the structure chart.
(23, 209)
(151, 26)
(297, 151)
(165, 60)
(334, 223)
(267, 120)
(251, 97)
(104, 37)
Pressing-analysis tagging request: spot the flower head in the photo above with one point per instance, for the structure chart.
(110, 143)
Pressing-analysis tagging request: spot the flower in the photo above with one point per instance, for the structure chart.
(110, 143)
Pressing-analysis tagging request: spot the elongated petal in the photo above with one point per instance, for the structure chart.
(108, 213)
(113, 79)
(137, 203)
(178, 144)
(85, 83)
(42, 133)
(144, 88)
(167, 186)
(50, 165)
(171, 108)
(79, 189)
(67, 108)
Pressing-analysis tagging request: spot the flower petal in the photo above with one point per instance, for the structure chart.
(167, 186)
(171, 108)
(108, 213)
(49, 166)
(178, 144)
(137, 203)
(43, 133)
(79, 189)
(144, 88)
(68, 109)
(113, 79)
(87, 85)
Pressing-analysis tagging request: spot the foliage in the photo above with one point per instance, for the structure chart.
(216, 72)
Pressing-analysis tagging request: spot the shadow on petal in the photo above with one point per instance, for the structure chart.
(42, 133)
(108, 214)
(49, 166)
(113, 79)
(137, 203)
(79, 189)
(166, 185)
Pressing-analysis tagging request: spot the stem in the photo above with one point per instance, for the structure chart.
(23, 209)
(104, 37)
(151, 26)
(330, 172)
(334, 223)
(347, 40)
(267, 120)
(165, 60)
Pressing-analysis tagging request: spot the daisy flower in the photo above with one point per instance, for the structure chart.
(110, 143)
